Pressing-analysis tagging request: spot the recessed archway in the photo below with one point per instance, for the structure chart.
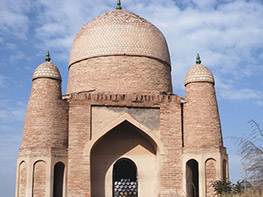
(129, 142)
(58, 179)
(192, 178)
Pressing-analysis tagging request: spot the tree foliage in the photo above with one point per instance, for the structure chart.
(251, 151)
(226, 188)
(221, 188)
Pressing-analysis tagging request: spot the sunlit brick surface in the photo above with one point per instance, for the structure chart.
(120, 74)
(202, 126)
(119, 32)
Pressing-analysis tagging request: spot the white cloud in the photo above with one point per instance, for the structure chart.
(12, 112)
(14, 20)
(19, 55)
(11, 46)
(242, 94)
(227, 91)
(2, 81)
(259, 103)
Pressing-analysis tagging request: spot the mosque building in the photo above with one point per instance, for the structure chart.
(120, 130)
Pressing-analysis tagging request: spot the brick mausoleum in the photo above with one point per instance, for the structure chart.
(120, 130)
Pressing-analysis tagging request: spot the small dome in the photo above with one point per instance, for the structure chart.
(199, 73)
(119, 32)
(47, 70)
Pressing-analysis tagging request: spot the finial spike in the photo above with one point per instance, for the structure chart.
(47, 56)
(198, 60)
(119, 5)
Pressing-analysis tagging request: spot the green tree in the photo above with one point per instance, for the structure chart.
(222, 188)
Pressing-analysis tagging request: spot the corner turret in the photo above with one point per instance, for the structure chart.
(201, 118)
(46, 117)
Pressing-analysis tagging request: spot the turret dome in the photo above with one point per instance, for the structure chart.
(47, 70)
(119, 32)
(199, 73)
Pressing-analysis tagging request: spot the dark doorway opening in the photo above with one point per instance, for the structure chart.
(125, 178)
(192, 178)
(58, 180)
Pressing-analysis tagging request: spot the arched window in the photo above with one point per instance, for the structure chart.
(58, 179)
(125, 178)
(192, 178)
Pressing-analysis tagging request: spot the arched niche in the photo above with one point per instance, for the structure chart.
(124, 141)
(210, 176)
(22, 179)
(39, 178)
(224, 171)
(58, 179)
(124, 178)
(192, 178)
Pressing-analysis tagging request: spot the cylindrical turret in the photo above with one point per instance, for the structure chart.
(202, 127)
(46, 117)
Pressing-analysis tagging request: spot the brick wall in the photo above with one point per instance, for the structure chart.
(46, 118)
(79, 135)
(120, 74)
(171, 137)
(202, 129)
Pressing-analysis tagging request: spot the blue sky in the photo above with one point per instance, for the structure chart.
(228, 34)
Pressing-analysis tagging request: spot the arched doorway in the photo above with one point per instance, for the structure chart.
(58, 179)
(192, 178)
(125, 178)
(107, 157)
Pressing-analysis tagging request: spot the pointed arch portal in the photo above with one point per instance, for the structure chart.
(118, 157)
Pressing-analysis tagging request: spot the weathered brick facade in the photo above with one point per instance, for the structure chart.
(119, 108)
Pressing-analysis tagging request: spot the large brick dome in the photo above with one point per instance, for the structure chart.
(119, 52)
(119, 32)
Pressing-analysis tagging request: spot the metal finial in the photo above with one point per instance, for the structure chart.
(198, 60)
(119, 5)
(48, 57)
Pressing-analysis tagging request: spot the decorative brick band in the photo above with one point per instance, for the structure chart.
(119, 98)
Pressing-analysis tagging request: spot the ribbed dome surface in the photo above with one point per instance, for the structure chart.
(119, 32)
(199, 73)
(47, 70)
